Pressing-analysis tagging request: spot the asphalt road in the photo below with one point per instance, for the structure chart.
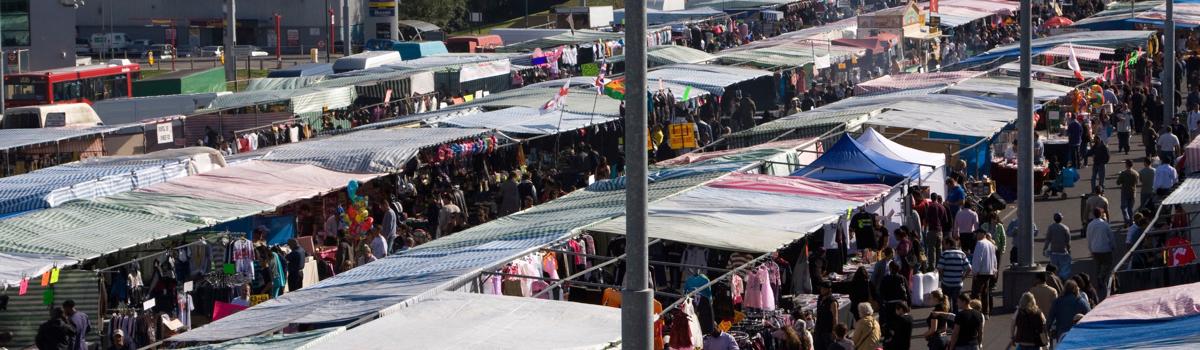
(997, 330)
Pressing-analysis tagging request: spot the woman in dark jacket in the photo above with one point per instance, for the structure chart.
(860, 290)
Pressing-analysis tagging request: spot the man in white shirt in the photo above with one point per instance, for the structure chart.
(1168, 146)
(1164, 179)
(379, 244)
(983, 261)
(1100, 243)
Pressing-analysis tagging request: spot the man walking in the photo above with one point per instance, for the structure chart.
(1095, 200)
(966, 222)
(1099, 153)
(983, 261)
(1074, 140)
(1058, 246)
(1128, 180)
(1123, 129)
(1100, 243)
(1146, 176)
(952, 266)
(296, 259)
(1168, 146)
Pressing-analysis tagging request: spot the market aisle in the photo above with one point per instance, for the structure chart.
(998, 327)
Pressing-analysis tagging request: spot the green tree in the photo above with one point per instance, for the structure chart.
(451, 15)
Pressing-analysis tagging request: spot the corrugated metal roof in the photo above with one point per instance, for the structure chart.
(1187, 193)
(26, 312)
(15, 138)
(565, 38)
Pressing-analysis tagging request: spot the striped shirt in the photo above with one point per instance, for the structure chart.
(953, 264)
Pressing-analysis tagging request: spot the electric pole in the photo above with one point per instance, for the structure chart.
(346, 41)
(394, 25)
(1168, 76)
(636, 311)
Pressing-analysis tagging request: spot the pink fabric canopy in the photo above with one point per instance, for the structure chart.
(801, 186)
(1151, 304)
(1082, 52)
(263, 182)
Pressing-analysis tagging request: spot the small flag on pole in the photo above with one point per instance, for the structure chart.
(1074, 63)
(558, 100)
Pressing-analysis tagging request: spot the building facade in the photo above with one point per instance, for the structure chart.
(34, 36)
(188, 24)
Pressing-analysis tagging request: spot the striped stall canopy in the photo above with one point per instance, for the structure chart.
(713, 79)
(893, 83)
(272, 184)
(26, 312)
(16, 138)
(86, 229)
(388, 285)
(370, 151)
(95, 177)
(1082, 52)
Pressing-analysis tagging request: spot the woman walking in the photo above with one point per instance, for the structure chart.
(1029, 326)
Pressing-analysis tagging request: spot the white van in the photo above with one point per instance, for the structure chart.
(365, 60)
(49, 116)
(101, 42)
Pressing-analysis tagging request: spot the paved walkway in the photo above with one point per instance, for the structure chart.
(998, 328)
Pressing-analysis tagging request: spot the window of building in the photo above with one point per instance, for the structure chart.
(14, 16)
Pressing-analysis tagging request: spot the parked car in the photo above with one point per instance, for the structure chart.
(210, 51)
(138, 47)
(161, 51)
(248, 50)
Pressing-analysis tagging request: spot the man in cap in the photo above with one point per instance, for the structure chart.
(119, 342)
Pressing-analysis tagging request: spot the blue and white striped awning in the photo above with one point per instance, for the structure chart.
(16, 138)
(96, 177)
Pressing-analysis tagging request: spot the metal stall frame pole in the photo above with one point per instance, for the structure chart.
(636, 311)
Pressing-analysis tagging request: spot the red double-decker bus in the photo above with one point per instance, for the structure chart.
(71, 84)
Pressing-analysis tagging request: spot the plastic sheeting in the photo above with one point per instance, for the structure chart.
(267, 183)
(525, 120)
(747, 214)
(102, 176)
(368, 151)
(847, 161)
(713, 79)
(294, 341)
(15, 266)
(456, 320)
(1187, 193)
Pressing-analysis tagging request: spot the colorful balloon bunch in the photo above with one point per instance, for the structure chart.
(356, 217)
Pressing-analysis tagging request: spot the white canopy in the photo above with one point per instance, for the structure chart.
(877, 142)
(455, 320)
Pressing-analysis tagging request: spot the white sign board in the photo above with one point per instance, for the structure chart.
(165, 133)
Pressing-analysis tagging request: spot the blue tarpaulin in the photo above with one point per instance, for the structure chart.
(280, 228)
(1162, 333)
(849, 162)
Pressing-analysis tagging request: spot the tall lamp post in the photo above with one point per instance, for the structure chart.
(1168, 76)
(636, 315)
(1019, 278)
(230, 40)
